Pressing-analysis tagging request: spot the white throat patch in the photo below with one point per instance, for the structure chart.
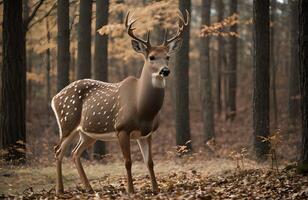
(158, 81)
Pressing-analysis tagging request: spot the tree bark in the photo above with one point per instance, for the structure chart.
(205, 76)
(261, 77)
(303, 61)
(84, 40)
(63, 58)
(273, 62)
(28, 56)
(13, 91)
(48, 67)
(182, 84)
(231, 111)
(294, 89)
(221, 46)
(101, 59)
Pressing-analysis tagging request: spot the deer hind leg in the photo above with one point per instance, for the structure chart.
(59, 154)
(83, 144)
(124, 141)
(145, 148)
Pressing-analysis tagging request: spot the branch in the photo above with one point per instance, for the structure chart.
(45, 15)
(29, 19)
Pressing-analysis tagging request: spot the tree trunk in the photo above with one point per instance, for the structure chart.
(101, 59)
(273, 62)
(182, 84)
(13, 91)
(63, 57)
(221, 46)
(231, 108)
(48, 67)
(261, 77)
(28, 57)
(303, 61)
(73, 64)
(84, 40)
(205, 76)
(294, 89)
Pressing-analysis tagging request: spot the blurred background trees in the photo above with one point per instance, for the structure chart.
(261, 77)
(235, 79)
(206, 77)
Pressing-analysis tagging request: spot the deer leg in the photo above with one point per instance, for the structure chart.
(124, 141)
(83, 144)
(60, 150)
(145, 148)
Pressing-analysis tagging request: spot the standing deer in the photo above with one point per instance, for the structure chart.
(121, 111)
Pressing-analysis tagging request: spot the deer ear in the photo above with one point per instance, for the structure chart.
(175, 46)
(139, 47)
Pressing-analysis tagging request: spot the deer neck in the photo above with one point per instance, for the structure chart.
(149, 96)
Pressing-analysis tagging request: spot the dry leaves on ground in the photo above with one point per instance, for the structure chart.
(236, 184)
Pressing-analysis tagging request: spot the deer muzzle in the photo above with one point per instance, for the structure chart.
(164, 71)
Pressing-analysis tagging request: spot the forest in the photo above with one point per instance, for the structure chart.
(154, 99)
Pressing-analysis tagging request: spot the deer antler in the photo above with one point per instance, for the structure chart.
(182, 25)
(128, 24)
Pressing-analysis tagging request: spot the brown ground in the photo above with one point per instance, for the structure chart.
(188, 177)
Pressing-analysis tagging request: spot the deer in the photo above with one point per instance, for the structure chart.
(123, 111)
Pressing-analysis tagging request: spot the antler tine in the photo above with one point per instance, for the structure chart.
(180, 15)
(128, 24)
(187, 17)
(182, 25)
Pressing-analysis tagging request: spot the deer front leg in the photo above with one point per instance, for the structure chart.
(124, 141)
(145, 148)
(83, 144)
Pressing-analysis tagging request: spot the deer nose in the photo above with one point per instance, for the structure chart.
(164, 71)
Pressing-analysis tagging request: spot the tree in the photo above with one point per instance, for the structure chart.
(101, 58)
(220, 56)
(261, 77)
(48, 66)
(205, 76)
(13, 90)
(84, 40)
(232, 83)
(181, 85)
(27, 19)
(63, 58)
(303, 62)
(294, 89)
(273, 61)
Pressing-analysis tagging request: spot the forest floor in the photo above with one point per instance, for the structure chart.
(189, 177)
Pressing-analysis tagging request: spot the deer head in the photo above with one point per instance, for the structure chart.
(157, 57)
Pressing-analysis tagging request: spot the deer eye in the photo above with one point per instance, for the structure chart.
(168, 57)
(152, 57)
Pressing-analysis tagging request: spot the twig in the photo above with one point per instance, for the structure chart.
(29, 19)
(46, 15)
